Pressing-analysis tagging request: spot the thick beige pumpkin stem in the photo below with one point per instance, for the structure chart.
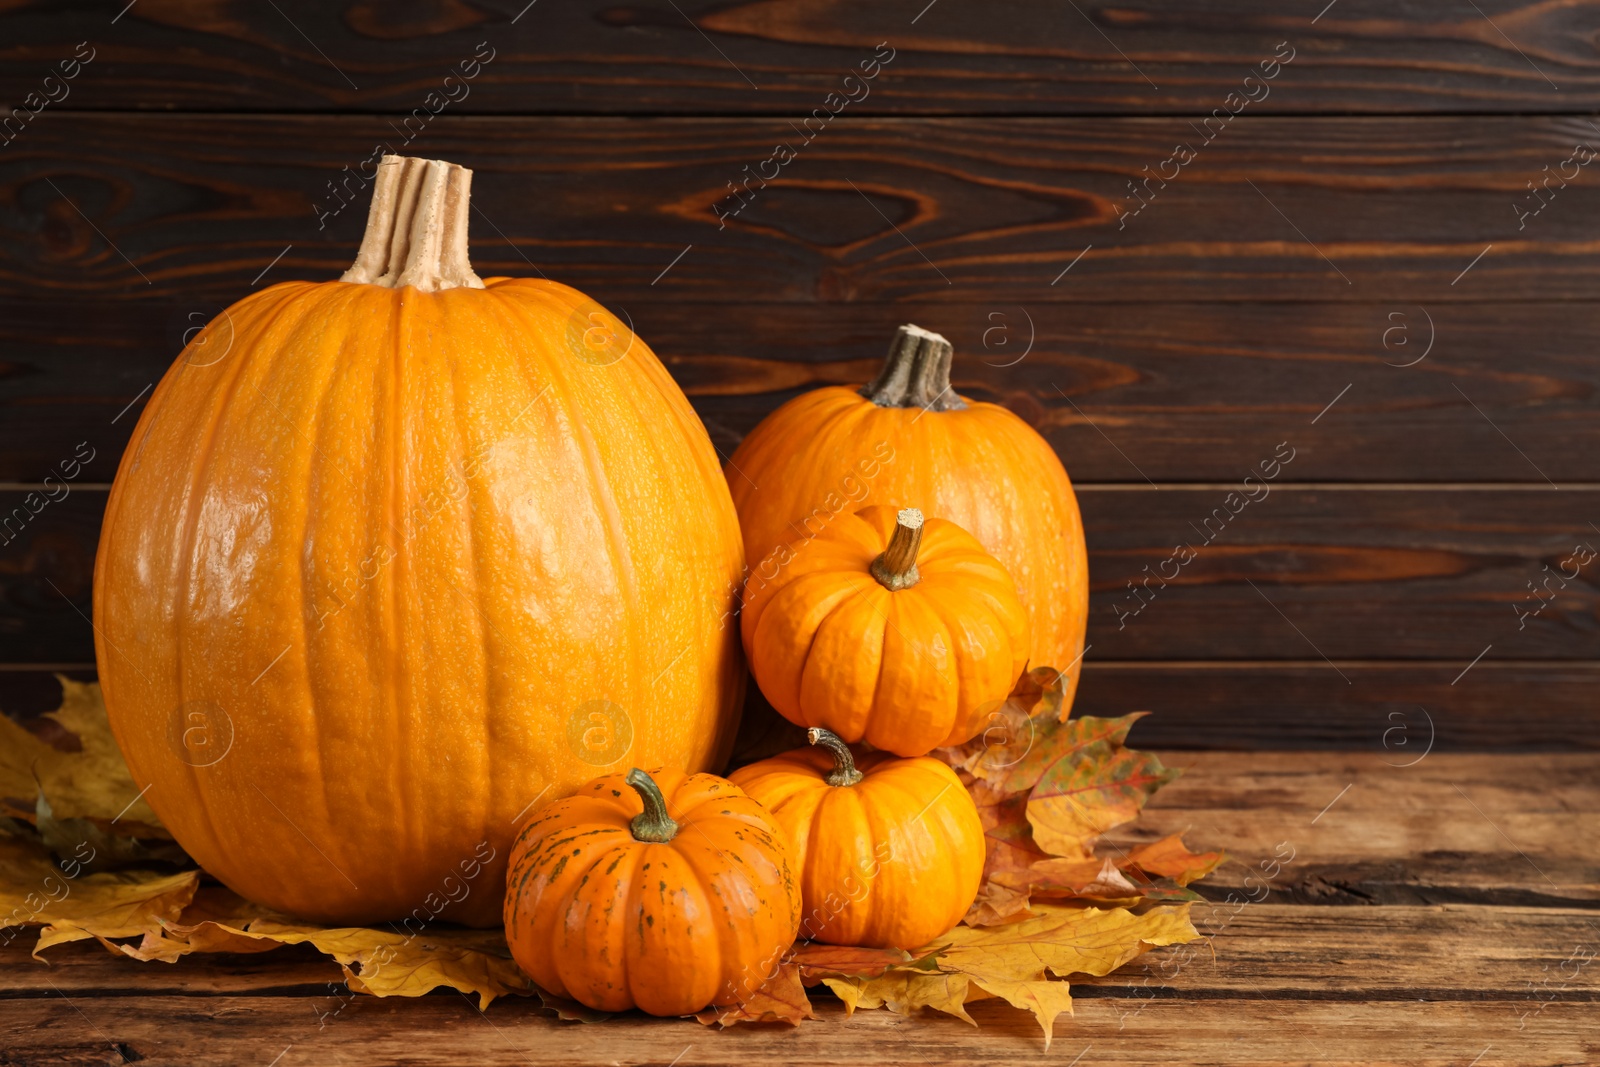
(652, 824)
(896, 568)
(844, 764)
(915, 374)
(417, 228)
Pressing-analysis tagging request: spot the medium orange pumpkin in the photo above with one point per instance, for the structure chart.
(887, 628)
(890, 851)
(666, 893)
(908, 440)
(390, 557)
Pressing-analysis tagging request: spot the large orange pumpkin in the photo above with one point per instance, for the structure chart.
(391, 557)
(890, 629)
(664, 893)
(908, 440)
(889, 851)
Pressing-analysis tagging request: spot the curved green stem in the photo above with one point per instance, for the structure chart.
(652, 824)
(844, 764)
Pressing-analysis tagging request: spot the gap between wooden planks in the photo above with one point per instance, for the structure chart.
(1350, 980)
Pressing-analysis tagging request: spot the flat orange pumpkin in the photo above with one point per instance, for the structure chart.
(390, 557)
(887, 628)
(665, 892)
(909, 440)
(890, 851)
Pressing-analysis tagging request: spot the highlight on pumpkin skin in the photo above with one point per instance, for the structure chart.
(889, 851)
(887, 628)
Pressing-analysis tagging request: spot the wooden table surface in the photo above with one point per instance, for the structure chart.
(1446, 912)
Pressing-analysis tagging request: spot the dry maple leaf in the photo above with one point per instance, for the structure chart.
(382, 962)
(38, 889)
(92, 783)
(1043, 786)
(1016, 962)
(782, 999)
(1169, 858)
(1046, 789)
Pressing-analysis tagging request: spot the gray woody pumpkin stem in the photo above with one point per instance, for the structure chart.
(653, 824)
(844, 765)
(896, 567)
(915, 374)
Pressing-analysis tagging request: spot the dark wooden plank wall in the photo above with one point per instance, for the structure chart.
(1383, 260)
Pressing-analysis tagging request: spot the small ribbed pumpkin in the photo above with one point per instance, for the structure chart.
(908, 439)
(888, 629)
(390, 555)
(659, 891)
(890, 851)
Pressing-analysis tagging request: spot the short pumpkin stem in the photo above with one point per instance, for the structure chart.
(915, 374)
(844, 764)
(417, 227)
(896, 568)
(652, 824)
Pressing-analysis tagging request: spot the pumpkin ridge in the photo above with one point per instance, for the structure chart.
(841, 416)
(863, 595)
(392, 447)
(798, 659)
(575, 964)
(219, 404)
(948, 674)
(606, 511)
(473, 567)
(260, 308)
(319, 420)
(728, 938)
(838, 805)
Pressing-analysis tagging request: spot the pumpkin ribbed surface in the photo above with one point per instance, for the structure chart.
(906, 669)
(400, 550)
(830, 452)
(700, 914)
(893, 859)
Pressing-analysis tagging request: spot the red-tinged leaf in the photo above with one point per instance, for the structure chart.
(1008, 838)
(1055, 743)
(1011, 727)
(1170, 858)
(781, 1000)
(1092, 788)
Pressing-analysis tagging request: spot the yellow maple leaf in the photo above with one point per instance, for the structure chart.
(36, 888)
(382, 962)
(1022, 962)
(92, 783)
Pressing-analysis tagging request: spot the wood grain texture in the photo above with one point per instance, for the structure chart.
(761, 55)
(1365, 829)
(1306, 572)
(1311, 572)
(448, 1030)
(197, 209)
(1174, 393)
(1337, 976)
(1395, 708)
(1450, 952)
